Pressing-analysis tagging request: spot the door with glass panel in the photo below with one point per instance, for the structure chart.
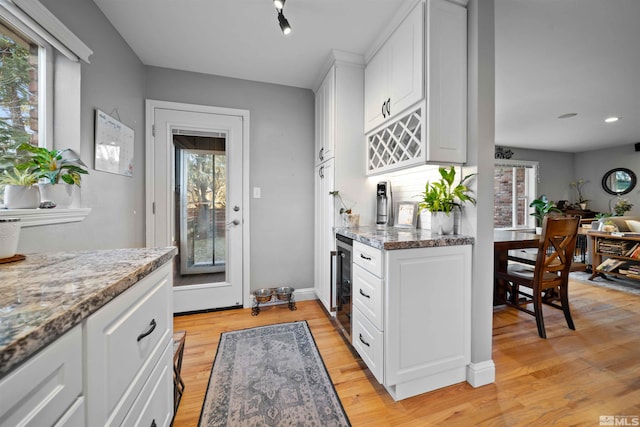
(197, 205)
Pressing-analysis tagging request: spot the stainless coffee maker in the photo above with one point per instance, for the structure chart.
(384, 204)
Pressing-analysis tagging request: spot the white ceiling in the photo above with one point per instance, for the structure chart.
(552, 56)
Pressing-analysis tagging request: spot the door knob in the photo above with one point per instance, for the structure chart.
(234, 223)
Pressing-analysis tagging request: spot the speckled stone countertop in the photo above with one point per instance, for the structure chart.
(392, 238)
(47, 294)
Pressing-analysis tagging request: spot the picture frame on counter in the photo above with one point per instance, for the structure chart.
(406, 214)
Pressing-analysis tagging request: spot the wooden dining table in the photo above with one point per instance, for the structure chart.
(503, 242)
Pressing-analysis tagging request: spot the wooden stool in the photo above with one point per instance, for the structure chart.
(178, 384)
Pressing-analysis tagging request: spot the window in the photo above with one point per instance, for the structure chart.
(39, 73)
(514, 188)
(19, 94)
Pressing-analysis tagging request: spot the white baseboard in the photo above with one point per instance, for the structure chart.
(304, 294)
(482, 373)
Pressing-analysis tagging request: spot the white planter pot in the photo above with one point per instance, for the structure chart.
(9, 236)
(60, 194)
(424, 220)
(21, 197)
(441, 223)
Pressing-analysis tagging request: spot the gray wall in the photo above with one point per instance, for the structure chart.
(592, 165)
(281, 157)
(281, 164)
(558, 170)
(114, 80)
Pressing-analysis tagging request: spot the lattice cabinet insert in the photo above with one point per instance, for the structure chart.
(397, 145)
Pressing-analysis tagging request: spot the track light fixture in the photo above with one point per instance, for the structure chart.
(284, 24)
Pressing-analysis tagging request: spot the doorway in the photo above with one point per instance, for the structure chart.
(196, 199)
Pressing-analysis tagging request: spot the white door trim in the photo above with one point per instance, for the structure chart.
(150, 106)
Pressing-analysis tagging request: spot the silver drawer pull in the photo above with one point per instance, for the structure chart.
(368, 258)
(364, 342)
(364, 295)
(152, 326)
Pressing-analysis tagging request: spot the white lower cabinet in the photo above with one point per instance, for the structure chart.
(125, 341)
(116, 368)
(424, 341)
(42, 390)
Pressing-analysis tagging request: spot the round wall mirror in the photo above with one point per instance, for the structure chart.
(619, 181)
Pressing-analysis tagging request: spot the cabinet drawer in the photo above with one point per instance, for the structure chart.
(367, 295)
(368, 258)
(368, 342)
(154, 405)
(125, 339)
(44, 387)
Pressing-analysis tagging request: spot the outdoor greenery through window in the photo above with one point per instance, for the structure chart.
(19, 96)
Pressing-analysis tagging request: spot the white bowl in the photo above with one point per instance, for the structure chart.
(9, 236)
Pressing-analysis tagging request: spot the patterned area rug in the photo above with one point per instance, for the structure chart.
(271, 376)
(620, 284)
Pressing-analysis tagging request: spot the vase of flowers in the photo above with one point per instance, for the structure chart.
(582, 202)
(622, 206)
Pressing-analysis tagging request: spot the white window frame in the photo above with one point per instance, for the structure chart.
(60, 82)
(531, 187)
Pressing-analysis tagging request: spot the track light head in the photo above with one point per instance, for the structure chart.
(279, 4)
(284, 24)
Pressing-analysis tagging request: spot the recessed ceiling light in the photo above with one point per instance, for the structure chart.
(611, 119)
(568, 115)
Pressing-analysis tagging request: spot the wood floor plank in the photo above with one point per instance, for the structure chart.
(571, 378)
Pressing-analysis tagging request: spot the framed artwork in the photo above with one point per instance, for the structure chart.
(406, 214)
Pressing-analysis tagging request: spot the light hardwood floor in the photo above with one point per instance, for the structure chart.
(571, 378)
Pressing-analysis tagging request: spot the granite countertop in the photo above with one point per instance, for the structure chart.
(47, 294)
(393, 238)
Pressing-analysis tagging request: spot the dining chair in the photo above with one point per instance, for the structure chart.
(547, 281)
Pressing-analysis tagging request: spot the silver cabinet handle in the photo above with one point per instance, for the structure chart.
(389, 107)
(364, 295)
(364, 342)
(321, 154)
(152, 327)
(384, 109)
(334, 255)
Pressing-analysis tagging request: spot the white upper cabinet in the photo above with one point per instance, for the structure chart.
(416, 91)
(394, 77)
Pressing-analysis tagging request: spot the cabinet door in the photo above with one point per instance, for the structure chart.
(447, 82)
(375, 89)
(406, 62)
(325, 118)
(324, 239)
(40, 391)
(428, 319)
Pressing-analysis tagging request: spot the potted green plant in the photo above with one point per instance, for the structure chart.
(20, 191)
(442, 197)
(542, 207)
(622, 206)
(61, 169)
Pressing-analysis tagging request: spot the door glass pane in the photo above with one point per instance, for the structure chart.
(203, 202)
(201, 183)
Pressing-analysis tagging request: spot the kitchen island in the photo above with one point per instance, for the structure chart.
(69, 321)
(411, 316)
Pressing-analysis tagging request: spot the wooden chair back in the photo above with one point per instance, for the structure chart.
(556, 249)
